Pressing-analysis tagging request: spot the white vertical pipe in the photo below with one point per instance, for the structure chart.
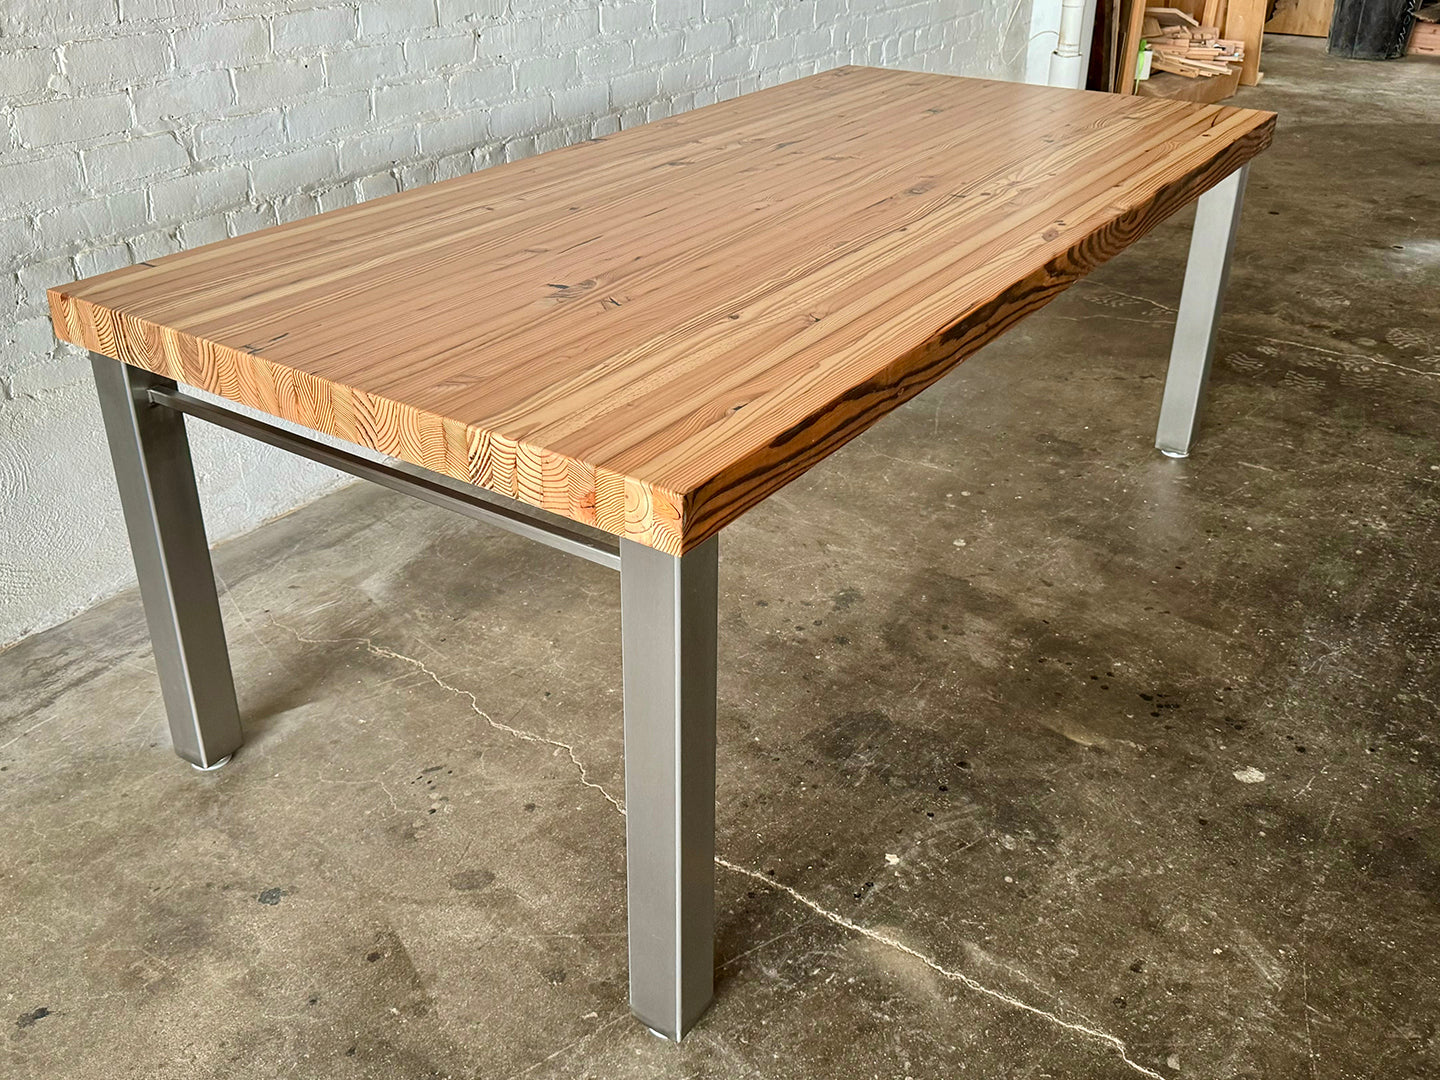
(1068, 61)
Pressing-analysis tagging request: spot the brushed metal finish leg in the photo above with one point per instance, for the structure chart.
(668, 632)
(172, 560)
(1217, 216)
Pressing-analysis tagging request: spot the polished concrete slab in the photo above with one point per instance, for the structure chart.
(1044, 756)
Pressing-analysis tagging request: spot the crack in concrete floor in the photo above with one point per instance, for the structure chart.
(1115, 1043)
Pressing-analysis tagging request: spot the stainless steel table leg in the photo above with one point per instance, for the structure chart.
(172, 560)
(668, 631)
(1217, 214)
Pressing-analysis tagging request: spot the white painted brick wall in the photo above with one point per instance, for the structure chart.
(130, 129)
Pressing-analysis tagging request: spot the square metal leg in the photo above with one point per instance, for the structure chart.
(1217, 215)
(172, 560)
(668, 631)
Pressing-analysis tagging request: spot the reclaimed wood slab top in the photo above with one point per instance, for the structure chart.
(652, 331)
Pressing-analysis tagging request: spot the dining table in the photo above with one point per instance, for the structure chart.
(619, 347)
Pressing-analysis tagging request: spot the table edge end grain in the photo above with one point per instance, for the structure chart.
(592, 495)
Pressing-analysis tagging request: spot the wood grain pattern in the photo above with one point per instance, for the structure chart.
(1306, 18)
(1245, 21)
(653, 331)
(1178, 88)
(1130, 35)
(1424, 39)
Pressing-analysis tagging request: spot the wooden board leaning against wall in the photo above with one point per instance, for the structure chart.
(1307, 18)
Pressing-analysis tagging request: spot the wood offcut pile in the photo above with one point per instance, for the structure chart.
(1181, 45)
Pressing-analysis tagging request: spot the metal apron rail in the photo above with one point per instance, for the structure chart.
(431, 487)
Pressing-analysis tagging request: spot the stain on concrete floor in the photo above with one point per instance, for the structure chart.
(1139, 780)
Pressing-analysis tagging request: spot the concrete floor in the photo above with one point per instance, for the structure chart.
(1040, 755)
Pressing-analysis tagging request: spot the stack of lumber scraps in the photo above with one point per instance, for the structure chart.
(1181, 45)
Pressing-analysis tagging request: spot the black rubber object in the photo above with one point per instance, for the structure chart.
(1371, 29)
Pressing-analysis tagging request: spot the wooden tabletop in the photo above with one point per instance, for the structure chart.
(653, 331)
